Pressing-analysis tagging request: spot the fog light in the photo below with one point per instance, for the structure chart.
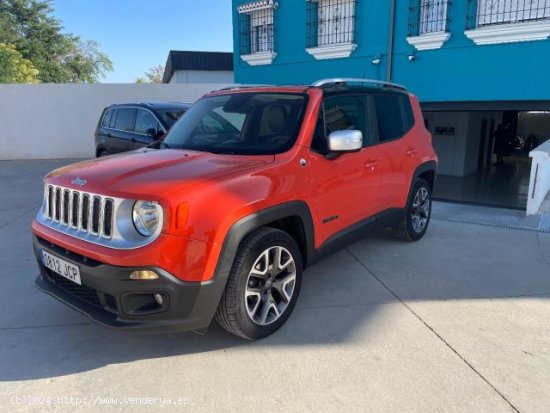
(144, 275)
(159, 299)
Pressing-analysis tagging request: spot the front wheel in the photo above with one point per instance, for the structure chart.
(263, 285)
(414, 224)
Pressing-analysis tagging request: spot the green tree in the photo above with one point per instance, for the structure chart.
(153, 75)
(14, 68)
(38, 37)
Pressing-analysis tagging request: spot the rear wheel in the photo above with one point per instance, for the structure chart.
(263, 285)
(101, 153)
(417, 217)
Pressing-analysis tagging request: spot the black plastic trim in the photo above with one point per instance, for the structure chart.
(357, 231)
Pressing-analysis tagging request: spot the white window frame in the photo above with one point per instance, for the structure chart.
(262, 31)
(332, 42)
(433, 16)
(510, 23)
(511, 11)
(432, 25)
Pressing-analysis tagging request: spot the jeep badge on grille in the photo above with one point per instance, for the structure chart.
(79, 181)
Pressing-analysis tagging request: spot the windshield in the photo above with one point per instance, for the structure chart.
(170, 116)
(240, 123)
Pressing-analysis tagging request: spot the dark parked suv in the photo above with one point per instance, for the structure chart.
(124, 127)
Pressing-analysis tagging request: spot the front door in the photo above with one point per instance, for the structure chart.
(346, 186)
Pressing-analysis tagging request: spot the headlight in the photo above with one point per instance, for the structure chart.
(147, 217)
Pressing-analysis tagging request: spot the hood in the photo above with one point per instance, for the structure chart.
(151, 172)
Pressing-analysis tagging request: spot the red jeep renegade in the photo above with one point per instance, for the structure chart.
(220, 218)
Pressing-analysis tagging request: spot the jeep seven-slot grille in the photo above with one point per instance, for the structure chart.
(86, 212)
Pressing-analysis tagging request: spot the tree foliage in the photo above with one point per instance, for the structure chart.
(153, 75)
(60, 57)
(14, 68)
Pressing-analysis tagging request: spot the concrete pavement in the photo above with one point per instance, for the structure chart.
(457, 322)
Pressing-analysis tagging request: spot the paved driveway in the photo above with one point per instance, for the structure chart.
(456, 322)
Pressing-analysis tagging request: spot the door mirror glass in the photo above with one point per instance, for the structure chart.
(345, 141)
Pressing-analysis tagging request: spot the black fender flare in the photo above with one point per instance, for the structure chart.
(429, 166)
(240, 229)
(258, 219)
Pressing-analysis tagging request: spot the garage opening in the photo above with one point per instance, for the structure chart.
(484, 155)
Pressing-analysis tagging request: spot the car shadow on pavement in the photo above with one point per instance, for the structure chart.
(339, 295)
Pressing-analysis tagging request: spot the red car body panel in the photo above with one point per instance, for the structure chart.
(218, 190)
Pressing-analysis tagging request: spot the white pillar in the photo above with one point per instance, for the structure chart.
(539, 183)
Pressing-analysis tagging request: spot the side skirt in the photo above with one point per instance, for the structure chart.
(357, 231)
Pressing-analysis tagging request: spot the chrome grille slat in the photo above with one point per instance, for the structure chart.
(57, 204)
(80, 210)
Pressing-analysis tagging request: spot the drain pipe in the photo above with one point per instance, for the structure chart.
(390, 41)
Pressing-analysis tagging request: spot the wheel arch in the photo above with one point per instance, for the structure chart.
(292, 217)
(427, 171)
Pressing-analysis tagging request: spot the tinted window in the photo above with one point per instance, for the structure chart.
(342, 112)
(394, 115)
(107, 118)
(240, 123)
(146, 123)
(113, 118)
(170, 116)
(125, 119)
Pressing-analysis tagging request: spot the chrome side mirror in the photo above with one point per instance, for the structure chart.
(345, 141)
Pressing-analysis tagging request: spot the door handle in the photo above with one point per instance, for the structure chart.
(411, 151)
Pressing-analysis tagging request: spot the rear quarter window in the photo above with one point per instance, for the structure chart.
(107, 118)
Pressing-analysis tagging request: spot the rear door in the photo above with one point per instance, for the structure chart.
(346, 190)
(395, 146)
(121, 134)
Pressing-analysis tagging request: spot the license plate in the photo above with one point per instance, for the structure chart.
(62, 267)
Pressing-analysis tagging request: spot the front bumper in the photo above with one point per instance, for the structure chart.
(108, 296)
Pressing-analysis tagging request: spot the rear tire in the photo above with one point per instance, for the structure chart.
(417, 215)
(263, 285)
(102, 153)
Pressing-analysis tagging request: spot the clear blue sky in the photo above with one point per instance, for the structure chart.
(138, 34)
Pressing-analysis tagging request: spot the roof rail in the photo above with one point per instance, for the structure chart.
(371, 82)
(235, 87)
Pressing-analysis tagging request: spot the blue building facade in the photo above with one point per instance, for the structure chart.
(508, 59)
(474, 65)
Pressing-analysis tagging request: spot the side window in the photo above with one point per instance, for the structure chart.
(394, 116)
(341, 112)
(113, 118)
(146, 123)
(319, 142)
(125, 119)
(107, 118)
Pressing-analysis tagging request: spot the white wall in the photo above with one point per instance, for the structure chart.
(202, 76)
(539, 183)
(534, 123)
(58, 120)
(458, 154)
(449, 148)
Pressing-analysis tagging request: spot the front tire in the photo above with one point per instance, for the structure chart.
(417, 216)
(263, 285)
